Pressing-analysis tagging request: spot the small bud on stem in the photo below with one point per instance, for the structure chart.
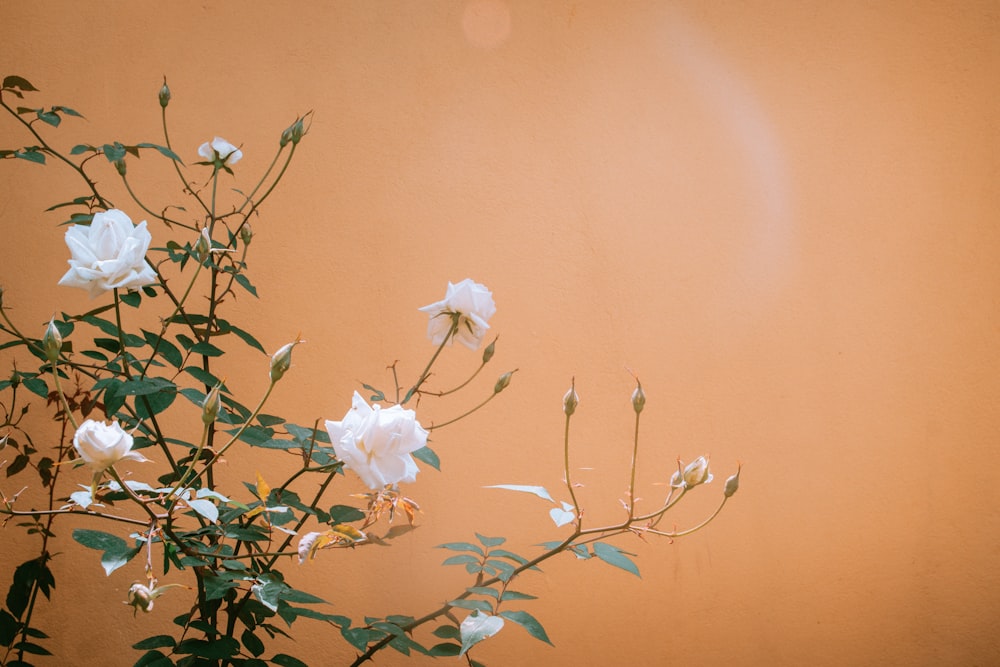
(571, 399)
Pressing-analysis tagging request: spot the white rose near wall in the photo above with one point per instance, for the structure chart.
(376, 443)
(221, 150)
(101, 445)
(109, 254)
(472, 305)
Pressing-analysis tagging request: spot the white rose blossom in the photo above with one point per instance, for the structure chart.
(472, 303)
(101, 445)
(108, 254)
(376, 443)
(222, 150)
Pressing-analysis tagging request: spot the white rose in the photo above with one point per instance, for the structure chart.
(376, 443)
(220, 149)
(102, 445)
(109, 254)
(473, 305)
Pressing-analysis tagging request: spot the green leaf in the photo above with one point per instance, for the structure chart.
(529, 623)
(345, 514)
(226, 327)
(116, 551)
(9, 627)
(49, 117)
(481, 605)
(252, 642)
(612, 555)
(245, 283)
(114, 152)
(484, 590)
(81, 148)
(34, 649)
(31, 155)
(490, 541)
(206, 349)
(288, 661)
(445, 649)
(514, 595)
(159, 641)
(154, 659)
(536, 490)
(163, 151)
(462, 546)
(133, 299)
(447, 632)
(428, 456)
(461, 559)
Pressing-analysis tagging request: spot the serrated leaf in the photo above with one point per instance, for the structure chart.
(166, 152)
(536, 490)
(116, 551)
(612, 555)
(462, 546)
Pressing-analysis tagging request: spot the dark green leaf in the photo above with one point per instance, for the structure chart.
(245, 283)
(287, 661)
(154, 659)
(345, 514)
(13, 82)
(529, 623)
(81, 148)
(34, 649)
(252, 642)
(206, 349)
(116, 551)
(481, 605)
(9, 627)
(159, 641)
(445, 649)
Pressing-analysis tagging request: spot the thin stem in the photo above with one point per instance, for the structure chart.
(631, 484)
(427, 369)
(156, 215)
(569, 483)
(464, 414)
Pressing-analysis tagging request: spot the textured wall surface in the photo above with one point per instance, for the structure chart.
(781, 216)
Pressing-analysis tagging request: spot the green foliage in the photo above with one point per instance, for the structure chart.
(221, 546)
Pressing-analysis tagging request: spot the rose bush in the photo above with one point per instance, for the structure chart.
(108, 254)
(377, 443)
(463, 314)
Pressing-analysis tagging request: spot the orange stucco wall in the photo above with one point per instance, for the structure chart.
(781, 215)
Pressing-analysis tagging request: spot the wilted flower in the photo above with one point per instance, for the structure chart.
(694, 474)
(141, 596)
(102, 445)
(220, 152)
(467, 304)
(108, 254)
(376, 443)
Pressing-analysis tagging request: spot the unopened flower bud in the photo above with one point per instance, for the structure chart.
(638, 399)
(503, 382)
(52, 342)
(120, 166)
(733, 484)
(164, 94)
(246, 233)
(570, 401)
(210, 406)
(204, 246)
(281, 361)
(488, 352)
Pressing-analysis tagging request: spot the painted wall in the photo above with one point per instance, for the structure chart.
(782, 216)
